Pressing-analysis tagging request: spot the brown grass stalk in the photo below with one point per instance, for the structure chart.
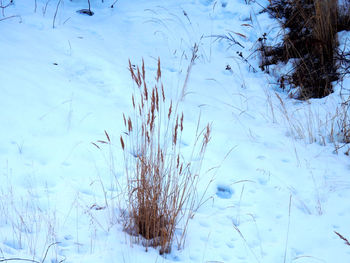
(161, 183)
(342, 238)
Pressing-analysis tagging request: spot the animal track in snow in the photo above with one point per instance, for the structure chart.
(224, 191)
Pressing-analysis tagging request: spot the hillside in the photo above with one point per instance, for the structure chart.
(274, 181)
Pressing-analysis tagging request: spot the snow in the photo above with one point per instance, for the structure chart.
(276, 195)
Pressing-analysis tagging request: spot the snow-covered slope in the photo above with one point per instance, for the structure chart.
(275, 197)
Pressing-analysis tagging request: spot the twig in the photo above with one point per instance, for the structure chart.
(193, 59)
(47, 250)
(31, 260)
(285, 250)
(241, 235)
(112, 6)
(240, 54)
(229, 38)
(8, 17)
(18, 259)
(299, 257)
(54, 17)
(239, 206)
(45, 7)
(343, 238)
(5, 6)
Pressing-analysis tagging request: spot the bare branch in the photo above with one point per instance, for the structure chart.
(9, 17)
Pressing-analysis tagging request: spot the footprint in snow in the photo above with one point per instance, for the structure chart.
(230, 244)
(66, 241)
(204, 223)
(223, 4)
(261, 157)
(206, 2)
(65, 244)
(224, 191)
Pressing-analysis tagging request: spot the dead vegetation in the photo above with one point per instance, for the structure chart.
(161, 184)
(313, 122)
(310, 42)
(346, 241)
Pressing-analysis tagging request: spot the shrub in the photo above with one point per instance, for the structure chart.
(161, 185)
(310, 39)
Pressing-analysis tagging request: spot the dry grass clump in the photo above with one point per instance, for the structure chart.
(310, 41)
(314, 123)
(161, 185)
(343, 15)
(25, 227)
(343, 121)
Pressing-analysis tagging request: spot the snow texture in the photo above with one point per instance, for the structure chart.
(277, 194)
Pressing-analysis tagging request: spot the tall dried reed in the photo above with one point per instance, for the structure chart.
(161, 184)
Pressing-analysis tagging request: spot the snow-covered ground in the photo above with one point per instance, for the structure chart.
(279, 190)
